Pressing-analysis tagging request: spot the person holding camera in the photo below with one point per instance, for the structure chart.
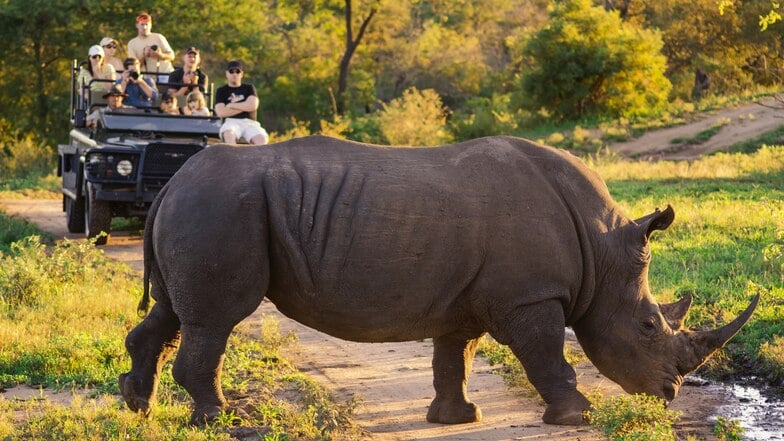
(141, 90)
(152, 49)
(189, 74)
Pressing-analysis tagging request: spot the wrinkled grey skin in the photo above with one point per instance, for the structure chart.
(375, 244)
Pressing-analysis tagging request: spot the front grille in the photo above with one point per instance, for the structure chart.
(163, 160)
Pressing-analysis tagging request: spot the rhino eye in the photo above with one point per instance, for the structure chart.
(649, 326)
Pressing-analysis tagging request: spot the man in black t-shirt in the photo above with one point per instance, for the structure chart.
(236, 103)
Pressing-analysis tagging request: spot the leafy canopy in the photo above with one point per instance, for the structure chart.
(587, 61)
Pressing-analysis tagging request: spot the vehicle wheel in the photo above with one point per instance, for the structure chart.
(97, 217)
(74, 214)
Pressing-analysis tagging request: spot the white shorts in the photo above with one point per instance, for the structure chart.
(244, 129)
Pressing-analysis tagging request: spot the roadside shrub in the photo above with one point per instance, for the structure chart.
(633, 417)
(772, 356)
(417, 118)
(587, 61)
(484, 116)
(23, 158)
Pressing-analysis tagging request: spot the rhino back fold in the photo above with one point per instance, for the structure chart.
(373, 243)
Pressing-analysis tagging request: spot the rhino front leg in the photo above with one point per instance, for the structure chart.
(535, 334)
(151, 343)
(452, 360)
(198, 368)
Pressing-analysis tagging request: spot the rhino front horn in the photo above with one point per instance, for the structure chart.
(707, 342)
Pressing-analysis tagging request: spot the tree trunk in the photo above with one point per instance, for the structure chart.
(351, 46)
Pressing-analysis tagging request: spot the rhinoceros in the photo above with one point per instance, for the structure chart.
(373, 243)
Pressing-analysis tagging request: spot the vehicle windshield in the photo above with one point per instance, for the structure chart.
(149, 122)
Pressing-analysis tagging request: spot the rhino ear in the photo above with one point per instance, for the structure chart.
(675, 313)
(658, 220)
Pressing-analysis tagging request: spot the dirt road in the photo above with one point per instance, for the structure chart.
(394, 380)
(738, 124)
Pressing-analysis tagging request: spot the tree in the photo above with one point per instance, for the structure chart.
(587, 61)
(351, 46)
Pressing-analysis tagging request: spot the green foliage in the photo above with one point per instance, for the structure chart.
(633, 417)
(52, 301)
(24, 159)
(727, 430)
(586, 61)
(12, 230)
(418, 118)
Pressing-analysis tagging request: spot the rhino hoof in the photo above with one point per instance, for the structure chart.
(445, 412)
(205, 415)
(132, 399)
(564, 416)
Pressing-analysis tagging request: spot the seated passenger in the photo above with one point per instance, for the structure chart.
(189, 73)
(169, 105)
(141, 90)
(111, 48)
(196, 105)
(95, 68)
(115, 98)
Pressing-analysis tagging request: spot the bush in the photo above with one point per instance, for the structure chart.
(587, 61)
(24, 158)
(418, 118)
(634, 417)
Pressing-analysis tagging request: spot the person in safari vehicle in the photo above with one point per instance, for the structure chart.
(141, 90)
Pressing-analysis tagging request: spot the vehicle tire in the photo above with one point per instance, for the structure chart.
(97, 217)
(74, 214)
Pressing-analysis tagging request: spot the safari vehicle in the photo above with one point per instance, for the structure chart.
(115, 169)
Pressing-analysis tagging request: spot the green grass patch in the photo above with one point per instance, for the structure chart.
(699, 138)
(64, 313)
(633, 417)
(725, 245)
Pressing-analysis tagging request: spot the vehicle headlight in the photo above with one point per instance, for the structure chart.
(124, 167)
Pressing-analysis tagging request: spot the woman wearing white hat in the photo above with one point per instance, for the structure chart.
(111, 49)
(96, 68)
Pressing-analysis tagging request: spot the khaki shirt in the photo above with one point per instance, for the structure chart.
(136, 49)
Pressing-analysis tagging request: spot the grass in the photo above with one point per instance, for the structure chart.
(725, 244)
(64, 313)
(633, 417)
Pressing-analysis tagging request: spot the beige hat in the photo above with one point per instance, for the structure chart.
(106, 40)
(96, 50)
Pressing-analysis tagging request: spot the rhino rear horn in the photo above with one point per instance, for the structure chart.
(706, 343)
(675, 313)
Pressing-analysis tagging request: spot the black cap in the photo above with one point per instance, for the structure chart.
(234, 65)
(192, 49)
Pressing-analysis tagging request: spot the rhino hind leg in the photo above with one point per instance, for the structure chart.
(198, 368)
(535, 334)
(452, 360)
(150, 344)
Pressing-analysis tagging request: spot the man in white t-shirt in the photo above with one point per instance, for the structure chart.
(152, 49)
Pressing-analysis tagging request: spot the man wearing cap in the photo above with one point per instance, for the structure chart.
(110, 47)
(115, 97)
(141, 91)
(152, 49)
(189, 74)
(236, 103)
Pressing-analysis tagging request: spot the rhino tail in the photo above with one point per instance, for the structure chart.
(149, 253)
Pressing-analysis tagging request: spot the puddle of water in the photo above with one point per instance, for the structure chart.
(761, 416)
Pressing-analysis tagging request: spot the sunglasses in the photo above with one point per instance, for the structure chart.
(234, 71)
(95, 56)
(111, 46)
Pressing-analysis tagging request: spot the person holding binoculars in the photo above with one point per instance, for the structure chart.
(152, 49)
(141, 90)
(189, 77)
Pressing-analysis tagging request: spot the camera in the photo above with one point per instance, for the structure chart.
(154, 47)
(134, 75)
